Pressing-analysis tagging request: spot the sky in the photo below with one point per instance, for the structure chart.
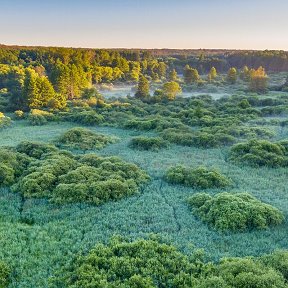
(187, 24)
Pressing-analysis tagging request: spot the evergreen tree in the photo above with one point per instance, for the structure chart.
(232, 75)
(258, 80)
(212, 74)
(173, 75)
(190, 75)
(143, 89)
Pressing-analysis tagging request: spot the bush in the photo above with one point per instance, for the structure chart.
(38, 117)
(4, 121)
(197, 139)
(64, 178)
(19, 114)
(200, 177)
(4, 275)
(143, 263)
(88, 118)
(260, 153)
(151, 264)
(84, 139)
(12, 165)
(148, 143)
(234, 212)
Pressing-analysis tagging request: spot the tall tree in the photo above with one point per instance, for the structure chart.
(232, 75)
(258, 80)
(143, 88)
(190, 75)
(172, 76)
(212, 74)
(171, 90)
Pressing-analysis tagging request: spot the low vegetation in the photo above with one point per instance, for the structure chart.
(234, 212)
(260, 153)
(4, 275)
(200, 177)
(149, 263)
(39, 170)
(148, 143)
(84, 139)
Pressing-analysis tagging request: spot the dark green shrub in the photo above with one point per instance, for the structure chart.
(197, 139)
(36, 120)
(148, 143)
(84, 139)
(200, 177)
(64, 178)
(88, 118)
(151, 264)
(234, 212)
(260, 153)
(35, 149)
(4, 121)
(143, 263)
(247, 273)
(5, 273)
(12, 165)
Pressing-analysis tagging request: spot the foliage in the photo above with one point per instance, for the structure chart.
(258, 80)
(234, 212)
(84, 139)
(147, 143)
(88, 118)
(64, 178)
(200, 177)
(260, 153)
(143, 263)
(143, 88)
(4, 275)
(171, 90)
(4, 121)
(150, 263)
(38, 117)
(197, 139)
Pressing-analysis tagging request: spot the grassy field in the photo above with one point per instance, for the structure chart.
(37, 238)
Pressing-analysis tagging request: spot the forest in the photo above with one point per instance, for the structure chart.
(143, 168)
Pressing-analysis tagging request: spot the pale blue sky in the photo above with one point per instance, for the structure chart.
(241, 24)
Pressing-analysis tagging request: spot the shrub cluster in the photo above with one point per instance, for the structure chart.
(38, 117)
(151, 264)
(4, 121)
(5, 273)
(199, 177)
(148, 143)
(158, 123)
(41, 170)
(234, 212)
(84, 139)
(198, 138)
(260, 153)
(89, 117)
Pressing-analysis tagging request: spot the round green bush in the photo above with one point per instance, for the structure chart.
(143, 263)
(64, 178)
(199, 177)
(234, 212)
(148, 143)
(260, 153)
(84, 139)
(152, 264)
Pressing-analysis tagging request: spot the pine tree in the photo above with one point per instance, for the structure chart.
(143, 88)
(173, 75)
(258, 80)
(212, 74)
(232, 75)
(170, 90)
(190, 75)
